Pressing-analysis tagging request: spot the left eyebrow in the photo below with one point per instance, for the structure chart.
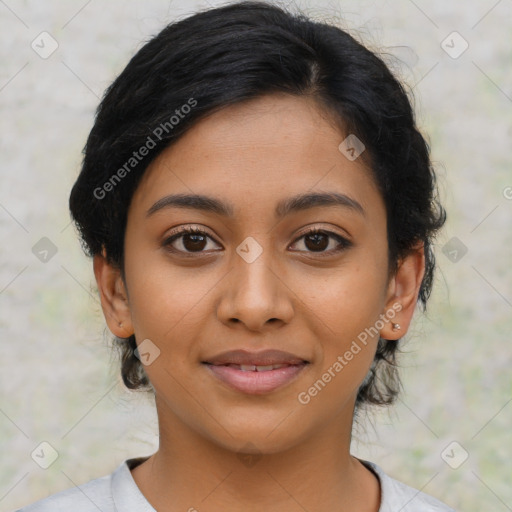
(284, 207)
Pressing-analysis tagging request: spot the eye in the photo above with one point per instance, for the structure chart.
(190, 239)
(318, 241)
(194, 240)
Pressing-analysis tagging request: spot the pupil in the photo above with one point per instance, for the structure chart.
(317, 243)
(197, 240)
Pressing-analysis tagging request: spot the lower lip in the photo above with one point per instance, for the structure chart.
(254, 382)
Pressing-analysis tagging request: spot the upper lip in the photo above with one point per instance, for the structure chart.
(262, 358)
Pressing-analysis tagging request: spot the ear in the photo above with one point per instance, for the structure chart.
(114, 299)
(402, 294)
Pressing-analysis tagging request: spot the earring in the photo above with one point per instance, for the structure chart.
(396, 327)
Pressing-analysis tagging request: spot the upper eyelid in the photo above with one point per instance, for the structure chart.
(186, 230)
(190, 230)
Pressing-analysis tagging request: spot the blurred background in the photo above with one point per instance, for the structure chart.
(450, 433)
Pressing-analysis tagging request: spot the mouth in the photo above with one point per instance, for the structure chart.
(255, 368)
(256, 373)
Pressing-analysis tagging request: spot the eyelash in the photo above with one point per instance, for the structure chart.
(343, 242)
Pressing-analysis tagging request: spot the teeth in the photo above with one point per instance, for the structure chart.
(252, 368)
(265, 368)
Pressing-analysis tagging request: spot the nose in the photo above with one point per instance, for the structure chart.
(255, 294)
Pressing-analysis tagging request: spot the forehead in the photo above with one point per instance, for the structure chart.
(256, 153)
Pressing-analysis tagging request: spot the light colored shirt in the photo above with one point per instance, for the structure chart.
(118, 492)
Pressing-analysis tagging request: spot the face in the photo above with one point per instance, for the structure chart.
(254, 279)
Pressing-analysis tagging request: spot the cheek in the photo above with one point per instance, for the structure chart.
(344, 328)
(167, 302)
(346, 307)
(349, 299)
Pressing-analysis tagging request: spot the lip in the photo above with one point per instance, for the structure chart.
(226, 367)
(261, 358)
(255, 382)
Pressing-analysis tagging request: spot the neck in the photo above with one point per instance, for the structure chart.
(190, 472)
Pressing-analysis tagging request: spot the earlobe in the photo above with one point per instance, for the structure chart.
(114, 300)
(403, 293)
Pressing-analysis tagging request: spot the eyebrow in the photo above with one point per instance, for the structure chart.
(285, 207)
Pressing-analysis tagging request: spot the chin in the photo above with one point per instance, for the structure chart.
(259, 438)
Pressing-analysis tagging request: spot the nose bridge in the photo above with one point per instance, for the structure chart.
(255, 292)
(255, 277)
(259, 275)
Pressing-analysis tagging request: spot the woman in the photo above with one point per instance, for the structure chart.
(260, 208)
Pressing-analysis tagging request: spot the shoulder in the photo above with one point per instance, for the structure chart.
(399, 496)
(110, 493)
(88, 497)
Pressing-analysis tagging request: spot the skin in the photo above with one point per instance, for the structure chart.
(253, 155)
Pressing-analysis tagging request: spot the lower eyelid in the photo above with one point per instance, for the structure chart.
(343, 243)
(168, 241)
